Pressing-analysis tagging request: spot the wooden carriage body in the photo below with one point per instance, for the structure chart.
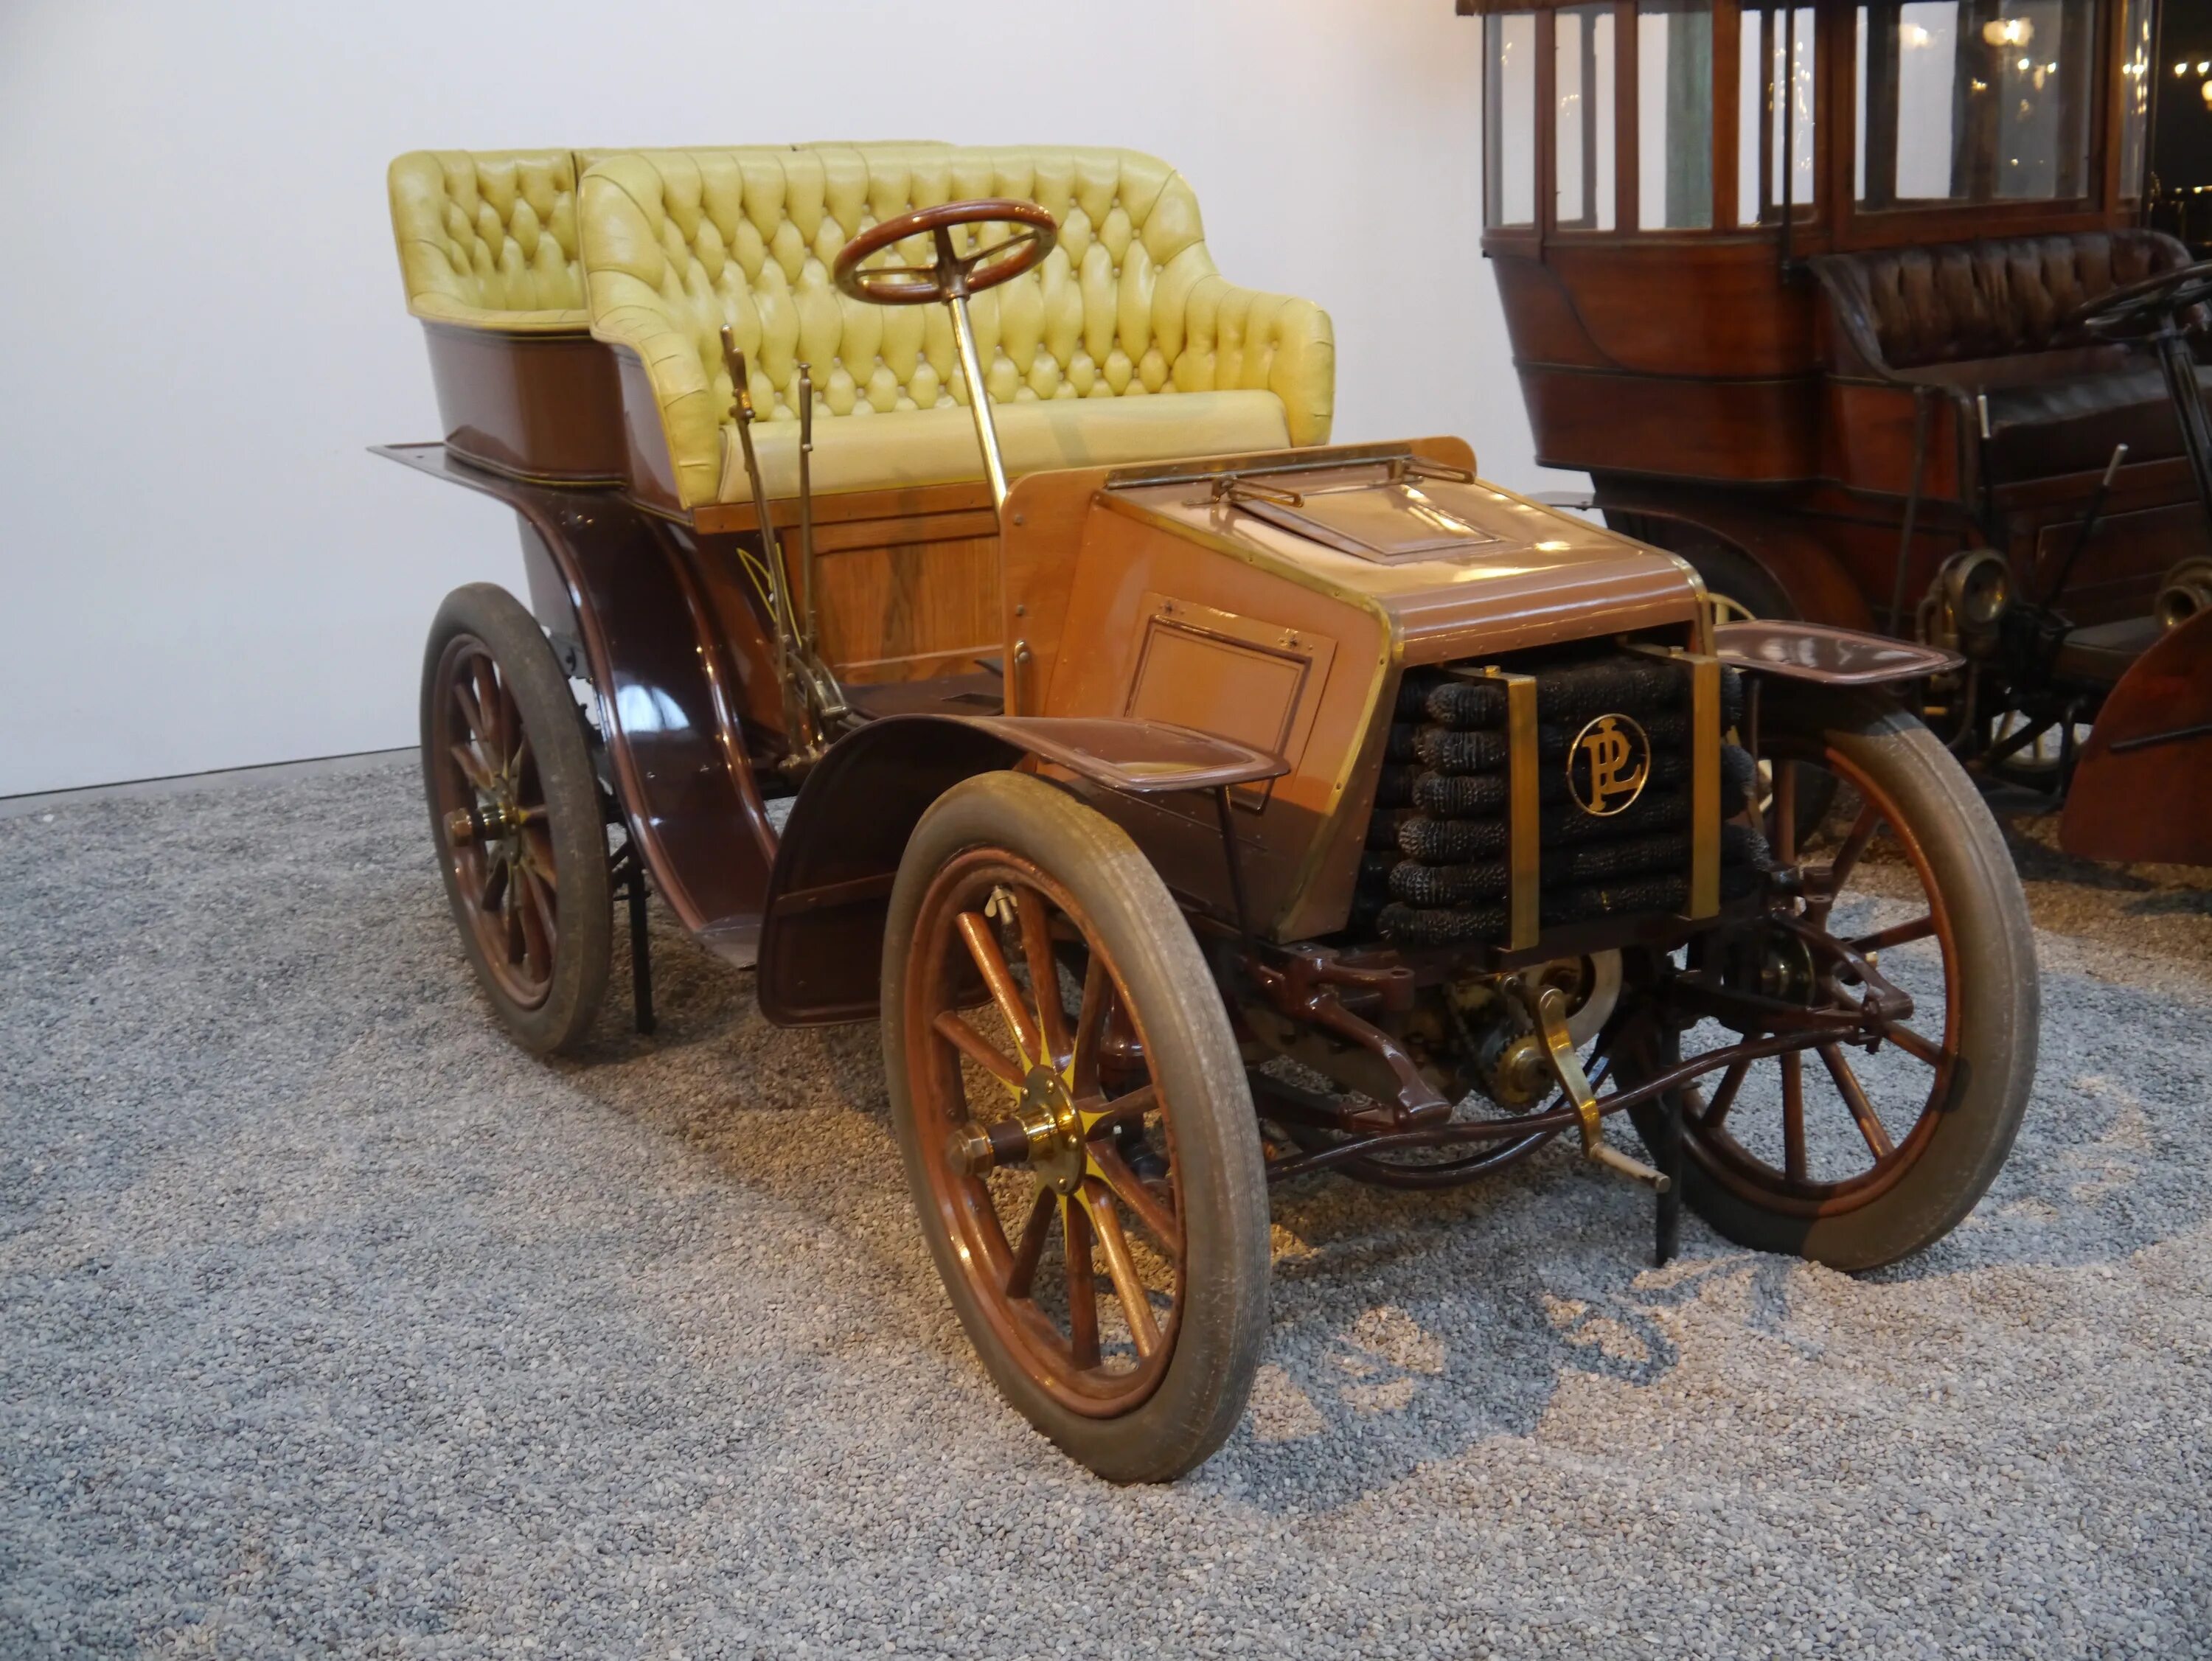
(1861, 222)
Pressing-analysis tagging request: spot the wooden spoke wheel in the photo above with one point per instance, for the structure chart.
(1076, 1127)
(1853, 1157)
(514, 810)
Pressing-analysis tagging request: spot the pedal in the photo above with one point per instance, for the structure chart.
(1547, 1008)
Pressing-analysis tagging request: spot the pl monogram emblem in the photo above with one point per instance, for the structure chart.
(1607, 765)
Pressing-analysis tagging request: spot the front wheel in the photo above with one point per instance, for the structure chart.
(1857, 1158)
(1076, 1127)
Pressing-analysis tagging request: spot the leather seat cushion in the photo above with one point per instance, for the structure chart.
(938, 447)
(2041, 428)
(1950, 302)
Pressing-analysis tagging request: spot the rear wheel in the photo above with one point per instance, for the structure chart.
(1851, 1158)
(515, 813)
(1076, 1126)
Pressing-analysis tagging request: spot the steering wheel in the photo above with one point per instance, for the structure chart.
(2145, 310)
(950, 277)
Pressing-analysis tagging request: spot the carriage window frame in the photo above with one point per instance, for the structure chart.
(1498, 108)
(1620, 178)
(2101, 194)
(1836, 218)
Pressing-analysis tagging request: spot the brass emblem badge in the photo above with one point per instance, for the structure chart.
(1607, 765)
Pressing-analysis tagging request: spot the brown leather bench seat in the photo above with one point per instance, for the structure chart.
(1991, 317)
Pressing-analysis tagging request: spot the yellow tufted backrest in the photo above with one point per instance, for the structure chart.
(487, 238)
(675, 244)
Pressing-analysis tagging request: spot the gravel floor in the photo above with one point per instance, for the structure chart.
(330, 1322)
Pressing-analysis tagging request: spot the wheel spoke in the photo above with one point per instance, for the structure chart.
(536, 914)
(983, 947)
(473, 715)
(1129, 1188)
(494, 887)
(1082, 1285)
(1793, 1115)
(1855, 1098)
(472, 767)
(1862, 830)
(1098, 1113)
(1021, 1275)
(1044, 972)
(1901, 934)
(1913, 1044)
(539, 893)
(1120, 1268)
(1089, 1023)
(954, 1029)
(511, 909)
(491, 701)
(537, 848)
(1724, 1097)
(522, 757)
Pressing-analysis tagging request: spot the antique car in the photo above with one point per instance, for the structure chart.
(1851, 304)
(944, 594)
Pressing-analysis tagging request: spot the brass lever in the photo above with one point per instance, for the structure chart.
(1547, 1008)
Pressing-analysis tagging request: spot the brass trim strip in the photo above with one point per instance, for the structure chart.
(1525, 829)
(1704, 784)
(1705, 770)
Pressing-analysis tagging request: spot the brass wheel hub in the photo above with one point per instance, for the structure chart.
(494, 820)
(1055, 1129)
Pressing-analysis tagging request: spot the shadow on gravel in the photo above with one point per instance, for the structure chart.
(1408, 1328)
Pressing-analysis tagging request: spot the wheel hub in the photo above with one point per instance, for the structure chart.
(1786, 970)
(494, 819)
(1048, 1119)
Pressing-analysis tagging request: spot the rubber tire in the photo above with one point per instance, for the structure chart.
(2000, 1010)
(583, 955)
(1222, 1322)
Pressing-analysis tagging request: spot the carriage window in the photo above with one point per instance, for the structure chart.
(1774, 93)
(1584, 83)
(1984, 101)
(1509, 119)
(2137, 41)
(1674, 114)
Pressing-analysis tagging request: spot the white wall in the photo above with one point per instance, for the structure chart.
(202, 327)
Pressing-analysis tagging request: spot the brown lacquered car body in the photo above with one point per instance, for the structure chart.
(1830, 377)
(1199, 822)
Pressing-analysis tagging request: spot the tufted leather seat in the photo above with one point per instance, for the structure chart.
(487, 238)
(1990, 318)
(676, 244)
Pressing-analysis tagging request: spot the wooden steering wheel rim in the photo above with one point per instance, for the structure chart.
(951, 276)
(2124, 309)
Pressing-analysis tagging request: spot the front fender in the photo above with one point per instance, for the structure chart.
(2142, 790)
(821, 942)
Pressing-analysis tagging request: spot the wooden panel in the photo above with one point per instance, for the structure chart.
(1304, 844)
(909, 578)
(1866, 441)
(2117, 574)
(1738, 432)
(897, 611)
(1687, 303)
(542, 406)
(1045, 514)
(1233, 676)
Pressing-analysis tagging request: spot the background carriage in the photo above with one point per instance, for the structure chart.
(1853, 305)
